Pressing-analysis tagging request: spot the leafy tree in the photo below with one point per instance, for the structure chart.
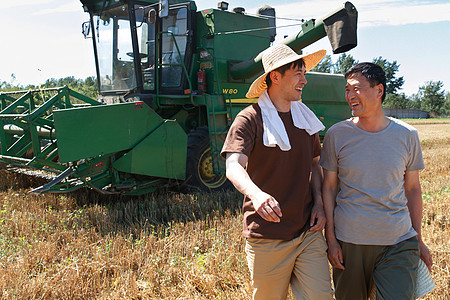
(13, 78)
(447, 104)
(90, 81)
(433, 97)
(392, 83)
(9, 87)
(344, 63)
(87, 87)
(397, 101)
(325, 65)
(416, 101)
(5, 86)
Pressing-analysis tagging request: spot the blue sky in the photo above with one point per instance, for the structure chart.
(42, 39)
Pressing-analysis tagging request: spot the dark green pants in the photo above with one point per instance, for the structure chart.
(391, 268)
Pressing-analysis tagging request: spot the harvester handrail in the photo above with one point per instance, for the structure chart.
(83, 98)
(31, 90)
(20, 101)
(28, 93)
(251, 29)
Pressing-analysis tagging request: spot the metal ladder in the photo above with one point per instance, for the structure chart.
(217, 135)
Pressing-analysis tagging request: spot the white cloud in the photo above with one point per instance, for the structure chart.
(398, 14)
(72, 6)
(372, 12)
(11, 4)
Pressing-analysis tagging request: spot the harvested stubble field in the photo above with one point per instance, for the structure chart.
(165, 245)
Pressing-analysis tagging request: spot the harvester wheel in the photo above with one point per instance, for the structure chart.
(199, 168)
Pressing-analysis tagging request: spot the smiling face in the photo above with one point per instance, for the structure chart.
(291, 83)
(364, 100)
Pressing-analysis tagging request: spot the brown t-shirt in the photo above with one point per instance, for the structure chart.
(283, 174)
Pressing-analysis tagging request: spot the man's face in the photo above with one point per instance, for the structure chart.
(292, 83)
(362, 98)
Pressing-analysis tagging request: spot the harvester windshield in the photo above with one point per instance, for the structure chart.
(115, 50)
(132, 41)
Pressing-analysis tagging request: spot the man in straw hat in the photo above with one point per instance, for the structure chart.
(272, 152)
(372, 195)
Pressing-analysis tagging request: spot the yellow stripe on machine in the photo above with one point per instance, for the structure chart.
(246, 100)
(243, 100)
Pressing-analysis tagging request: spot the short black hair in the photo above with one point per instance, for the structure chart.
(295, 64)
(373, 72)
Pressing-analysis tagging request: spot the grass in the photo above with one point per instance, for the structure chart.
(164, 245)
(435, 179)
(167, 246)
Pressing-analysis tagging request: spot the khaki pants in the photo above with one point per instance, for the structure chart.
(301, 262)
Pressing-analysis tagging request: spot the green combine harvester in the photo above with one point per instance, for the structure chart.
(171, 79)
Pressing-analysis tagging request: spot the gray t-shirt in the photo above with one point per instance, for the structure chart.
(371, 206)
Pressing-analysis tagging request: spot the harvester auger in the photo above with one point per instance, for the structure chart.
(170, 79)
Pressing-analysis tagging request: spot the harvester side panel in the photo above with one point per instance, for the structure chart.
(160, 154)
(325, 96)
(92, 131)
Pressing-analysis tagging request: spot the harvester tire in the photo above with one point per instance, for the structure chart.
(199, 171)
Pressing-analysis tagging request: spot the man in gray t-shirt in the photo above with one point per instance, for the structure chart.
(372, 195)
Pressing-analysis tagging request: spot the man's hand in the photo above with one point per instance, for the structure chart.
(266, 206)
(318, 219)
(425, 255)
(335, 254)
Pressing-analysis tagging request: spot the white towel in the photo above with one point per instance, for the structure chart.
(274, 130)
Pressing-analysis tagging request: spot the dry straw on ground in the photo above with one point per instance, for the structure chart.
(167, 245)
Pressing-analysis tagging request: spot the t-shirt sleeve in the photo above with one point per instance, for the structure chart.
(241, 136)
(328, 158)
(415, 161)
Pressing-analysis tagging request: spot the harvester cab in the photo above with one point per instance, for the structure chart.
(134, 39)
(171, 79)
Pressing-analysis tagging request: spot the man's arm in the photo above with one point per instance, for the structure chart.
(318, 219)
(413, 193)
(265, 205)
(329, 193)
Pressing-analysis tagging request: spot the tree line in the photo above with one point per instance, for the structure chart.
(87, 87)
(431, 97)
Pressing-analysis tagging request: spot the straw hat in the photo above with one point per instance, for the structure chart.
(277, 56)
(424, 282)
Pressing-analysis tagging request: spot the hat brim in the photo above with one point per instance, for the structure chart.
(259, 85)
